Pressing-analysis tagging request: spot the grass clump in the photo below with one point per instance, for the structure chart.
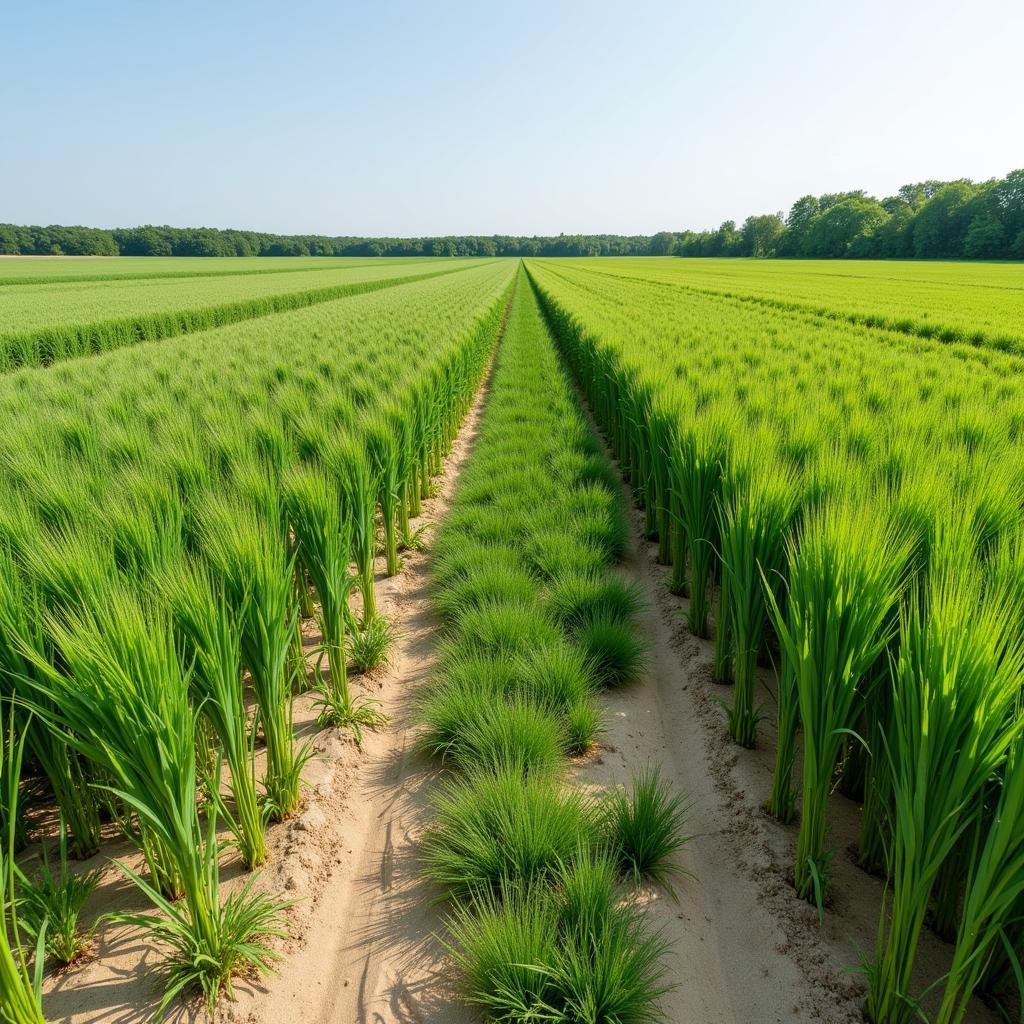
(500, 629)
(616, 651)
(51, 904)
(578, 599)
(459, 557)
(646, 829)
(369, 646)
(467, 682)
(576, 952)
(496, 828)
(491, 584)
(516, 736)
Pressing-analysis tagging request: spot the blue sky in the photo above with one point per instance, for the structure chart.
(418, 118)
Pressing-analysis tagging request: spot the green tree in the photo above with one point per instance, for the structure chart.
(985, 238)
(663, 244)
(725, 241)
(762, 234)
(833, 234)
(9, 240)
(941, 223)
(895, 238)
(1009, 198)
(918, 194)
(798, 225)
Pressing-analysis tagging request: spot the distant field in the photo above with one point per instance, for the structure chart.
(32, 306)
(976, 302)
(15, 270)
(43, 323)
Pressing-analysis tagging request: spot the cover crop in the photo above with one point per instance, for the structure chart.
(979, 303)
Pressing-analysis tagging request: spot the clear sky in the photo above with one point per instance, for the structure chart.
(395, 118)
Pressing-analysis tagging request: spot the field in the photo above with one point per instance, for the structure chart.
(20, 271)
(980, 304)
(426, 640)
(35, 307)
(44, 322)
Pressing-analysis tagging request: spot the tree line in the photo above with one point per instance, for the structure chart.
(56, 240)
(959, 219)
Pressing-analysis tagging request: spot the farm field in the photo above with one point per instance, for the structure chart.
(978, 303)
(28, 270)
(35, 306)
(844, 503)
(41, 323)
(431, 648)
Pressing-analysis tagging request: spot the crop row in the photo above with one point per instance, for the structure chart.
(172, 513)
(853, 500)
(536, 622)
(178, 314)
(953, 303)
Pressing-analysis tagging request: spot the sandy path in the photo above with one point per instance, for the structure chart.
(731, 955)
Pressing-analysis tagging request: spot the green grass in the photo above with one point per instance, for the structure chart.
(953, 302)
(646, 827)
(576, 953)
(20, 986)
(50, 905)
(497, 828)
(29, 271)
(369, 646)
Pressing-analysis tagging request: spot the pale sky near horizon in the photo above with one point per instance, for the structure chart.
(398, 118)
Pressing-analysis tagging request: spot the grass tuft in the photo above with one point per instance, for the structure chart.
(617, 653)
(647, 829)
(51, 904)
(494, 829)
(369, 647)
(517, 737)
